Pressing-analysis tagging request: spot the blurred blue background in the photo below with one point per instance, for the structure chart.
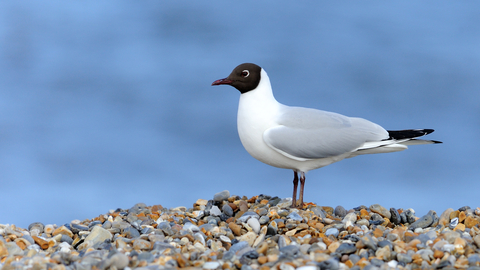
(104, 104)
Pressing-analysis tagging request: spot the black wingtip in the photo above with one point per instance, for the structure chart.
(408, 133)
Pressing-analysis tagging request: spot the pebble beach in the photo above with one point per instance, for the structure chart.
(260, 232)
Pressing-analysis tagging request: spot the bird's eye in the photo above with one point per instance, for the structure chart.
(245, 73)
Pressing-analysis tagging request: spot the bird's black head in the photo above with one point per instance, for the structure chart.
(244, 77)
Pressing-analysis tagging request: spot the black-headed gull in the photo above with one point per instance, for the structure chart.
(303, 139)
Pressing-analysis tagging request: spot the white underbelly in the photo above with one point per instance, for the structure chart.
(252, 140)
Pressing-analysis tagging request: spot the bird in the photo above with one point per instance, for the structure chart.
(304, 139)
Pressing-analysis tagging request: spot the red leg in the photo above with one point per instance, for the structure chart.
(295, 184)
(302, 186)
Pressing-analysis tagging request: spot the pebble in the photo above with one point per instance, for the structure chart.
(349, 219)
(221, 196)
(377, 208)
(254, 224)
(215, 211)
(340, 211)
(294, 216)
(261, 232)
(425, 221)
(227, 210)
(346, 248)
(453, 223)
(395, 216)
(332, 231)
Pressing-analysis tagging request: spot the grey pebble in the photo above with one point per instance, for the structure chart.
(330, 264)
(247, 215)
(272, 228)
(13, 249)
(282, 242)
(426, 254)
(377, 217)
(221, 196)
(131, 232)
(107, 225)
(377, 208)
(369, 242)
(274, 201)
(146, 256)
(120, 224)
(229, 255)
(159, 246)
(376, 262)
(147, 230)
(191, 227)
(403, 217)
(36, 228)
(97, 236)
(283, 212)
(264, 220)
(340, 211)
(290, 251)
(319, 212)
(395, 216)
(239, 246)
(474, 259)
(262, 211)
(332, 231)
(75, 228)
(346, 248)
(28, 238)
(213, 221)
(65, 238)
(404, 258)
(410, 214)
(295, 216)
(118, 261)
(138, 208)
(166, 228)
(252, 254)
(385, 243)
(284, 203)
(354, 258)
(227, 210)
(425, 221)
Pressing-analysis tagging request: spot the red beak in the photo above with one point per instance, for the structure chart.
(222, 81)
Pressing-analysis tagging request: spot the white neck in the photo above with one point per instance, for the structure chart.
(262, 96)
(258, 108)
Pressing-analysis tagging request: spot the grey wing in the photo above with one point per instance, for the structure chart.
(304, 134)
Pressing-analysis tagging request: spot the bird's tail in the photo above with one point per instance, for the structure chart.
(408, 136)
(397, 141)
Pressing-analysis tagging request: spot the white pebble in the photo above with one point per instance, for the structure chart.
(418, 230)
(307, 267)
(225, 239)
(211, 265)
(392, 263)
(448, 248)
(254, 224)
(215, 211)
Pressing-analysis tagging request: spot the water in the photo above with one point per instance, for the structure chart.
(107, 104)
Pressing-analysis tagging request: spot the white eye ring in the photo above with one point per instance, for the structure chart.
(245, 73)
